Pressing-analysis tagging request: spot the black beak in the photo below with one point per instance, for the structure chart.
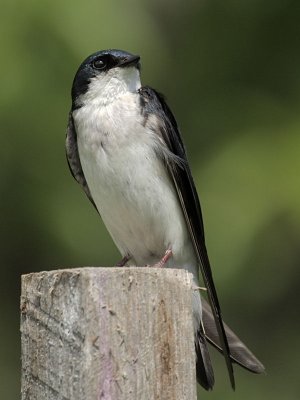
(130, 60)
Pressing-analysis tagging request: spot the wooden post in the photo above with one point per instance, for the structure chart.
(108, 334)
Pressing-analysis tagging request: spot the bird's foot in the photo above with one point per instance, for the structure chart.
(161, 263)
(124, 260)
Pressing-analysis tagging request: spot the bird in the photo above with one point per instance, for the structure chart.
(125, 149)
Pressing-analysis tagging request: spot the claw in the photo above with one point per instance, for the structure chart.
(124, 260)
(199, 288)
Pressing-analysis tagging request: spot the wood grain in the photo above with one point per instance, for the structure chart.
(108, 334)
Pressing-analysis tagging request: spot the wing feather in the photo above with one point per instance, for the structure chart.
(74, 160)
(153, 102)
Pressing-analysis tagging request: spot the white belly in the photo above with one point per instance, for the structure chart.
(130, 185)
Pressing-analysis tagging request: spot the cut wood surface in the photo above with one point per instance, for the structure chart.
(108, 334)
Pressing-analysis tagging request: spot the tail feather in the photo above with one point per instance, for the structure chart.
(239, 352)
(204, 371)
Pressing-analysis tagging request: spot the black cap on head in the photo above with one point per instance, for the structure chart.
(100, 62)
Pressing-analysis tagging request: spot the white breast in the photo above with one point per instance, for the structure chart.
(129, 184)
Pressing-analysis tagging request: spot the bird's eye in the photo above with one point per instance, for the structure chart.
(99, 63)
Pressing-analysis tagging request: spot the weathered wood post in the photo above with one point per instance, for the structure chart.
(108, 334)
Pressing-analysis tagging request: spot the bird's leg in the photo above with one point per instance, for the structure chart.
(161, 263)
(124, 260)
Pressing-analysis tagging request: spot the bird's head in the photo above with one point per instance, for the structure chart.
(104, 75)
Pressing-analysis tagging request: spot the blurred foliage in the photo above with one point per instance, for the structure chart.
(231, 73)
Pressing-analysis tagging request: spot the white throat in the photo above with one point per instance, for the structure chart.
(106, 87)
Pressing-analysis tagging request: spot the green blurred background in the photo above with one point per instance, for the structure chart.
(231, 73)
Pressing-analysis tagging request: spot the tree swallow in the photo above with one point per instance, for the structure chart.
(124, 148)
